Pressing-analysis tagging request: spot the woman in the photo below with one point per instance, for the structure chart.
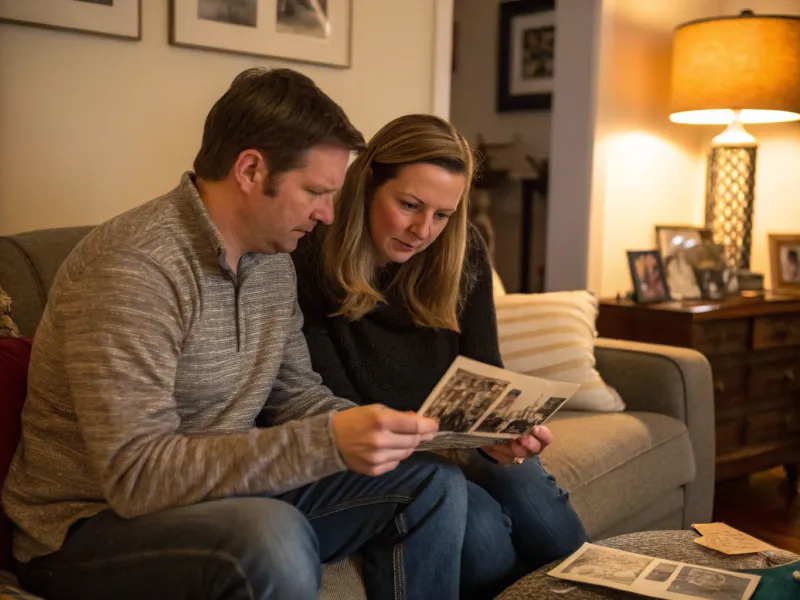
(391, 293)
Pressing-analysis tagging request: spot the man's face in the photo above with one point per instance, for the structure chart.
(300, 199)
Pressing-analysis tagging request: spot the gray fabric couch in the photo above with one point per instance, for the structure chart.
(650, 467)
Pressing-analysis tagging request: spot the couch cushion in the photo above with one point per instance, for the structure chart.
(28, 264)
(552, 336)
(616, 464)
(14, 356)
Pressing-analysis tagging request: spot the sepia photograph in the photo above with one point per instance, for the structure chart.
(661, 572)
(711, 585)
(514, 415)
(464, 399)
(609, 565)
(537, 52)
(303, 17)
(233, 12)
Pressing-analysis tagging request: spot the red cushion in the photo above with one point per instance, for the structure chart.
(14, 356)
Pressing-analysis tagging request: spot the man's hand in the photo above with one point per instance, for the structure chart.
(526, 446)
(374, 439)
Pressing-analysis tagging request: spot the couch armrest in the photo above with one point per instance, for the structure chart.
(676, 382)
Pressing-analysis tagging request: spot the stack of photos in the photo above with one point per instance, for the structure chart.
(477, 404)
(653, 577)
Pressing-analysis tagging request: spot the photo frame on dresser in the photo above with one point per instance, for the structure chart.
(109, 18)
(309, 31)
(784, 255)
(647, 275)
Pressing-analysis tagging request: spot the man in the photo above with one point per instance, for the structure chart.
(169, 330)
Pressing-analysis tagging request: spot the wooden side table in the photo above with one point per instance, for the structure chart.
(753, 345)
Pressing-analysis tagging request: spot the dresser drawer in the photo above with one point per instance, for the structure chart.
(721, 337)
(729, 436)
(772, 425)
(776, 331)
(775, 379)
(730, 385)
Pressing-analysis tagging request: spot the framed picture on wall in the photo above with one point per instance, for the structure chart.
(311, 31)
(647, 275)
(110, 18)
(784, 254)
(526, 44)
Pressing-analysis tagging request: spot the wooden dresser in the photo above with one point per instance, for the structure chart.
(753, 345)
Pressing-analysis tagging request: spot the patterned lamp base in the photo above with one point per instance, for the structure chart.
(729, 201)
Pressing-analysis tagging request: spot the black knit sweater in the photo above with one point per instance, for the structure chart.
(383, 357)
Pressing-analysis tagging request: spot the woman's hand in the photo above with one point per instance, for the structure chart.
(523, 447)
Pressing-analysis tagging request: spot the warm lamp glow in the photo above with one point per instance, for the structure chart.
(749, 63)
(724, 116)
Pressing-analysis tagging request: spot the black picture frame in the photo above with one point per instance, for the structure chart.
(641, 295)
(506, 101)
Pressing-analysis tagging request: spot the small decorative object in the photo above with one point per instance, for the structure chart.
(647, 273)
(111, 18)
(525, 56)
(312, 31)
(735, 70)
(784, 253)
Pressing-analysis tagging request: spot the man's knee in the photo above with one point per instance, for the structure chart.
(273, 546)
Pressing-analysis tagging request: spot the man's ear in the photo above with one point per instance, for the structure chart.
(249, 170)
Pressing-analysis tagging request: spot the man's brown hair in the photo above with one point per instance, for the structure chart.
(278, 112)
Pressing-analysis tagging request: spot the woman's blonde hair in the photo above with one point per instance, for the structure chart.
(430, 285)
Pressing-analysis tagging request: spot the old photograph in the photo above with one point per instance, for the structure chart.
(537, 52)
(661, 572)
(517, 415)
(712, 585)
(234, 12)
(303, 17)
(464, 399)
(610, 565)
(790, 264)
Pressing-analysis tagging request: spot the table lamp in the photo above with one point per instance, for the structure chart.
(732, 71)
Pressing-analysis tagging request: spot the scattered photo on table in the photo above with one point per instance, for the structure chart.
(604, 563)
(712, 585)
(661, 572)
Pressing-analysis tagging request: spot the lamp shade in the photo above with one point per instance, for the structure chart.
(748, 62)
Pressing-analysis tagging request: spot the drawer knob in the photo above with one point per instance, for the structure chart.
(719, 386)
(789, 375)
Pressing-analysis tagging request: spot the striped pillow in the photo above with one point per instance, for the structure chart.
(552, 336)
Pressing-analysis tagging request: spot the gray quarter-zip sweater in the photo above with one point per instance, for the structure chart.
(151, 363)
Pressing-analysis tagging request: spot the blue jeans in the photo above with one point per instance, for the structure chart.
(408, 524)
(518, 520)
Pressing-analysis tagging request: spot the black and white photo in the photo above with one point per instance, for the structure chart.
(303, 17)
(233, 12)
(464, 399)
(621, 568)
(661, 572)
(537, 52)
(517, 415)
(709, 584)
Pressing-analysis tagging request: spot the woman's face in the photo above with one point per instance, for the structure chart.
(409, 212)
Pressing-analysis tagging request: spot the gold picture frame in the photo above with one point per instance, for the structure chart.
(784, 261)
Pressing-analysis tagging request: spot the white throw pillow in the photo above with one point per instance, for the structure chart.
(552, 336)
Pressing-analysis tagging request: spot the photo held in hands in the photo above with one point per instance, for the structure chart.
(477, 404)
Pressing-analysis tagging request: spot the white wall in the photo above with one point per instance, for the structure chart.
(93, 126)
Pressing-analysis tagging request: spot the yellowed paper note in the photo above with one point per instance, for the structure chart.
(726, 539)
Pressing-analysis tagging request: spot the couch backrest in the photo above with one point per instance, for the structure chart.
(28, 263)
